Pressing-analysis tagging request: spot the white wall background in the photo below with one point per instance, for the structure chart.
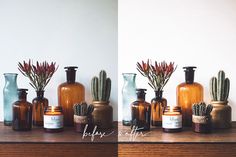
(69, 32)
(188, 32)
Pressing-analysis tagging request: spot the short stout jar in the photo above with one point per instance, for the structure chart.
(172, 119)
(53, 119)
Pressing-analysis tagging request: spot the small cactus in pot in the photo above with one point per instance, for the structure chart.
(83, 117)
(219, 92)
(201, 117)
(100, 90)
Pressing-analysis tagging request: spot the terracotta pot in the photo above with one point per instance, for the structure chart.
(82, 122)
(221, 114)
(102, 114)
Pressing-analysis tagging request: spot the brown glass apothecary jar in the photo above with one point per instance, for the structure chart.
(140, 112)
(70, 93)
(188, 93)
(157, 104)
(40, 103)
(22, 112)
(53, 119)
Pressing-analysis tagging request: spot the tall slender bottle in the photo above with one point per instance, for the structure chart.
(141, 112)
(158, 105)
(188, 93)
(70, 93)
(128, 96)
(9, 96)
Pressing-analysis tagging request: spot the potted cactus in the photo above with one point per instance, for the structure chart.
(219, 91)
(83, 117)
(201, 117)
(103, 112)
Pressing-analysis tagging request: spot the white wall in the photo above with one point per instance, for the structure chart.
(69, 32)
(188, 32)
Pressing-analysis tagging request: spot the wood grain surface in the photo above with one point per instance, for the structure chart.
(38, 135)
(120, 143)
(156, 135)
(58, 150)
(177, 150)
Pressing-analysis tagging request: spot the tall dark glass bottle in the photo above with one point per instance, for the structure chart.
(39, 105)
(22, 112)
(188, 93)
(141, 112)
(70, 93)
(158, 104)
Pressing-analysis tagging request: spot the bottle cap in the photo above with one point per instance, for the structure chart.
(141, 93)
(70, 73)
(189, 74)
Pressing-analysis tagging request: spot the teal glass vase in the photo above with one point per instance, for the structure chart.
(128, 96)
(10, 95)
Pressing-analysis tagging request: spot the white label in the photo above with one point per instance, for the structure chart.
(172, 122)
(53, 122)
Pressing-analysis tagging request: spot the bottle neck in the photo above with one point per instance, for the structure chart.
(158, 94)
(129, 79)
(141, 97)
(189, 77)
(10, 79)
(70, 76)
(22, 97)
(40, 94)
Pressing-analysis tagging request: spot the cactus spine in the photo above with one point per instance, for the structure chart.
(101, 87)
(219, 88)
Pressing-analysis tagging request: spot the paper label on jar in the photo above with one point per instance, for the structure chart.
(172, 122)
(53, 122)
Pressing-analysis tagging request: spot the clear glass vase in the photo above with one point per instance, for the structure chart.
(128, 96)
(10, 95)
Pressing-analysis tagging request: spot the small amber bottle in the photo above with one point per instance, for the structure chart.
(188, 93)
(141, 112)
(22, 112)
(70, 93)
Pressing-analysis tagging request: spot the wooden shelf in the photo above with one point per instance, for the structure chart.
(67, 143)
(155, 143)
(121, 142)
(156, 135)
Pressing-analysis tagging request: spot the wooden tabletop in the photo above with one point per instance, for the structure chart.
(124, 134)
(69, 136)
(156, 135)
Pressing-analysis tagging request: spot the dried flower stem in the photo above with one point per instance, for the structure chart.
(39, 74)
(157, 74)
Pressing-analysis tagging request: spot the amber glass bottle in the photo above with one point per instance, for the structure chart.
(188, 93)
(141, 112)
(70, 93)
(39, 105)
(158, 104)
(22, 112)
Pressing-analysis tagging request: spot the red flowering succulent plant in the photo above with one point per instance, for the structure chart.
(158, 74)
(39, 74)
